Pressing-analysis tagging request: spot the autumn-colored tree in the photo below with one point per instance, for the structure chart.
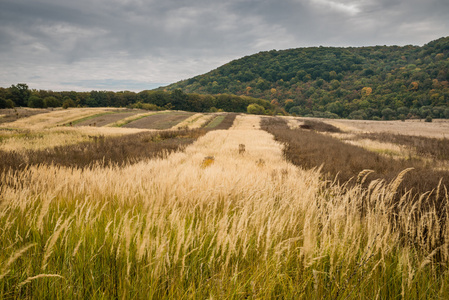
(439, 56)
(288, 104)
(366, 91)
(414, 86)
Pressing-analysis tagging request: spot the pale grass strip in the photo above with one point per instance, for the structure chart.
(380, 147)
(106, 131)
(59, 136)
(200, 122)
(246, 122)
(195, 121)
(29, 279)
(13, 258)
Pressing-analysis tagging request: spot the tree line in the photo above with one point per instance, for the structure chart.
(22, 95)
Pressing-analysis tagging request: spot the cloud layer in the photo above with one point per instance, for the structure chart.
(141, 44)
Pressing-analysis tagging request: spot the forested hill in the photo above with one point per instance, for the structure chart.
(364, 83)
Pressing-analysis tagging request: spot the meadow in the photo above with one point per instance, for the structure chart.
(219, 206)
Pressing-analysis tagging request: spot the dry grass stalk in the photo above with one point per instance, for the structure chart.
(29, 279)
(5, 269)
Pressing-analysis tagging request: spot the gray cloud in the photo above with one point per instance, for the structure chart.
(118, 43)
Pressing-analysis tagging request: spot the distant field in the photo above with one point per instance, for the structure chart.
(10, 115)
(240, 207)
(108, 118)
(159, 121)
(438, 128)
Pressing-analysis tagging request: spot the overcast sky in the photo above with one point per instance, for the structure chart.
(135, 45)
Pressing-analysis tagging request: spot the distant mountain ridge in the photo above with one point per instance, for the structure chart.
(357, 82)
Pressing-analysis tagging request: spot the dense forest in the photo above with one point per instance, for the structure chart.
(21, 95)
(381, 82)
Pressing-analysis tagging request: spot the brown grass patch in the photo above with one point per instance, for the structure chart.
(309, 149)
(13, 114)
(104, 151)
(318, 126)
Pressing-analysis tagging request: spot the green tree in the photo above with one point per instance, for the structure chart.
(446, 113)
(20, 94)
(255, 109)
(388, 114)
(336, 108)
(358, 115)
(403, 110)
(68, 102)
(335, 84)
(2, 102)
(10, 103)
(178, 99)
(36, 102)
(52, 102)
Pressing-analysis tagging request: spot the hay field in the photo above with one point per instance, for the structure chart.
(438, 128)
(215, 222)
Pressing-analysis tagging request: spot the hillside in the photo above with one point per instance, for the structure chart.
(386, 82)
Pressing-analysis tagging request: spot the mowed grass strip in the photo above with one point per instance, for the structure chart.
(159, 121)
(125, 121)
(214, 122)
(221, 122)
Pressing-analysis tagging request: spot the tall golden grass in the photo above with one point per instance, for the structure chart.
(38, 139)
(170, 228)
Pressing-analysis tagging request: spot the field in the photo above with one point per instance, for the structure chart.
(10, 115)
(159, 121)
(438, 128)
(107, 118)
(220, 206)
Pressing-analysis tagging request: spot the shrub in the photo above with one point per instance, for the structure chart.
(255, 109)
(52, 102)
(68, 103)
(36, 102)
